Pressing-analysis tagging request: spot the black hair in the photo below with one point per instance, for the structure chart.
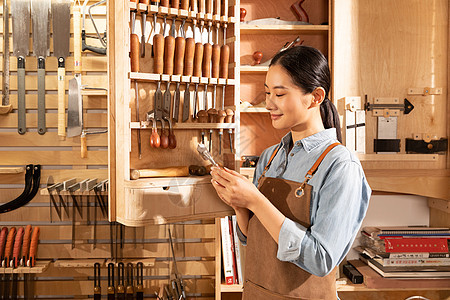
(309, 70)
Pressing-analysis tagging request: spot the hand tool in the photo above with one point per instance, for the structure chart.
(155, 140)
(75, 205)
(139, 281)
(299, 11)
(158, 63)
(172, 139)
(209, 7)
(188, 71)
(155, 17)
(229, 119)
(6, 106)
(206, 67)
(61, 39)
(180, 171)
(215, 72)
(198, 57)
(20, 13)
(51, 186)
(129, 290)
(111, 289)
(40, 10)
(84, 45)
(8, 253)
(3, 282)
(175, 4)
(194, 6)
(225, 10)
(169, 51)
(165, 3)
(243, 13)
(33, 247)
(25, 255)
(184, 4)
(136, 91)
(87, 186)
(177, 283)
(120, 281)
(163, 137)
(169, 295)
(206, 155)
(144, 23)
(134, 42)
(97, 284)
(224, 60)
(180, 46)
(76, 40)
(14, 263)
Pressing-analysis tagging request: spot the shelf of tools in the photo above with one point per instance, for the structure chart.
(173, 71)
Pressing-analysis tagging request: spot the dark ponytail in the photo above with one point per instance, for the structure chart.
(309, 70)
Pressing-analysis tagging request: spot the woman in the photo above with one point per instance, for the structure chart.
(299, 219)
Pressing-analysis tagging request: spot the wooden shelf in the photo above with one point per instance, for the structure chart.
(153, 77)
(254, 69)
(143, 183)
(233, 288)
(78, 263)
(40, 267)
(397, 157)
(284, 29)
(197, 126)
(12, 170)
(92, 92)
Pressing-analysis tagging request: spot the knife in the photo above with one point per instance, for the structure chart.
(111, 290)
(97, 286)
(188, 71)
(139, 281)
(15, 260)
(180, 46)
(169, 52)
(3, 235)
(33, 247)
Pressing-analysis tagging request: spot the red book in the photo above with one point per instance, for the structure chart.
(402, 244)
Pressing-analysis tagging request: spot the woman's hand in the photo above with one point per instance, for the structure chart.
(234, 189)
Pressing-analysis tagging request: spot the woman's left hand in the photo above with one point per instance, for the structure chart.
(234, 189)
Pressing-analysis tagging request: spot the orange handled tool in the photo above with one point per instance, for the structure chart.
(9, 246)
(169, 52)
(26, 245)
(180, 47)
(184, 4)
(158, 46)
(17, 247)
(164, 138)
(3, 235)
(155, 140)
(33, 247)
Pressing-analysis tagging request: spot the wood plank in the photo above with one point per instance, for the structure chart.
(30, 139)
(12, 170)
(95, 120)
(54, 158)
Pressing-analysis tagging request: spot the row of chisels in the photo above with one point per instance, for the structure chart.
(18, 249)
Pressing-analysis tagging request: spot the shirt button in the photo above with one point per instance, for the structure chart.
(298, 143)
(292, 154)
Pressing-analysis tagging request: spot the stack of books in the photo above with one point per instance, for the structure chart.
(406, 252)
(231, 251)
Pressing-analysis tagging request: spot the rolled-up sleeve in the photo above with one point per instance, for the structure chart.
(342, 201)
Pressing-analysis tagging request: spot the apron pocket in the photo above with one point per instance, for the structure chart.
(254, 291)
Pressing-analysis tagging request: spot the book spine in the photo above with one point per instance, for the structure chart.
(416, 244)
(414, 262)
(227, 256)
(418, 255)
(230, 226)
(237, 251)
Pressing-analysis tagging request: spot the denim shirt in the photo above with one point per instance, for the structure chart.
(339, 200)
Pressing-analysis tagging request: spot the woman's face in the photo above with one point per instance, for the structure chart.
(289, 106)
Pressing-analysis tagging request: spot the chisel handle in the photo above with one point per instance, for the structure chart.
(180, 47)
(198, 57)
(180, 171)
(194, 5)
(224, 60)
(165, 3)
(225, 8)
(169, 52)
(206, 64)
(184, 4)
(26, 245)
(17, 247)
(61, 98)
(77, 39)
(9, 245)
(215, 61)
(209, 7)
(134, 52)
(33, 246)
(146, 2)
(3, 235)
(158, 45)
(217, 7)
(189, 57)
(201, 8)
(176, 4)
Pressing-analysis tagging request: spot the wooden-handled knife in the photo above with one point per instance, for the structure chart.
(3, 235)
(9, 246)
(111, 289)
(134, 43)
(33, 247)
(188, 71)
(97, 284)
(26, 245)
(17, 247)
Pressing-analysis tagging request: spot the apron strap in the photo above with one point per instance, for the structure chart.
(313, 169)
(268, 163)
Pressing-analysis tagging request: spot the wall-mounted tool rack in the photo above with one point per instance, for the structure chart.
(134, 106)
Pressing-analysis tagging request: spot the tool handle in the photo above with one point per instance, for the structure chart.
(165, 3)
(146, 2)
(175, 4)
(202, 116)
(9, 245)
(172, 140)
(33, 246)
(198, 57)
(212, 114)
(184, 4)
(217, 7)
(209, 7)
(224, 60)
(215, 61)
(180, 171)
(26, 245)
(189, 57)
(134, 52)
(158, 46)
(169, 51)
(225, 8)
(201, 8)
(206, 65)
(164, 140)
(3, 235)
(77, 39)
(230, 114)
(83, 145)
(180, 47)
(135, 1)
(61, 100)
(194, 5)
(155, 140)
(17, 246)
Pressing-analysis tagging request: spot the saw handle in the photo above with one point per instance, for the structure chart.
(158, 45)
(134, 52)
(33, 246)
(77, 39)
(189, 57)
(17, 246)
(9, 246)
(26, 245)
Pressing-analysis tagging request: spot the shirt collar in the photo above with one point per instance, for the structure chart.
(310, 142)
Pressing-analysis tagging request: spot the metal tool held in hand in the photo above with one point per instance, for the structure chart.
(206, 155)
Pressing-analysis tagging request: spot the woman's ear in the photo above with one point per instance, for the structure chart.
(318, 96)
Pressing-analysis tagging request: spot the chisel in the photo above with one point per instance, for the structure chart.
(206, 67)
(97, 284)
(188, 71)
(14, 263)
(129, 290)
(139, 281)
(180, 46)
(198, 57)
(144, 23)
(3, 235)
(169, 52)
(8, 253)
(120, 281)
(184, 4)
(24, 258)
(224, 60)
(111, 289)
(33, 247)
(158, 64)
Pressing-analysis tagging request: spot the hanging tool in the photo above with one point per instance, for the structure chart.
(177, 283)
(33, 247)
(206, 68)
(137, 118)
(75, 205)
(111, 289)
(155, 140)
(14, 263)
(6, 107)
(169, 51)
(61, 39)
(134, 42)
(158, 63)
(84, 45)
(184, 4)
(97, 284)
(217, 4)
(40, 10)
(25, 255)
(7, 258)
(188, 71)
(155, 16)
(51, 186)
(144, 23)
(120, 281)
(20, 13)
(172, 139)
(129, 290)
(229, 119)
(224, 60)
(3, 279)
(139, 281)
(180, 46)
(163, 137)
(198, 57)
(299, 11)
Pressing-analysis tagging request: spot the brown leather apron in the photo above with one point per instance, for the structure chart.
(266, 277)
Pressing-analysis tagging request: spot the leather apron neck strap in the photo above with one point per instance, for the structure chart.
(311, 171)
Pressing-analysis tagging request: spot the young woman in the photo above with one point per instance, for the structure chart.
(309, 196)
